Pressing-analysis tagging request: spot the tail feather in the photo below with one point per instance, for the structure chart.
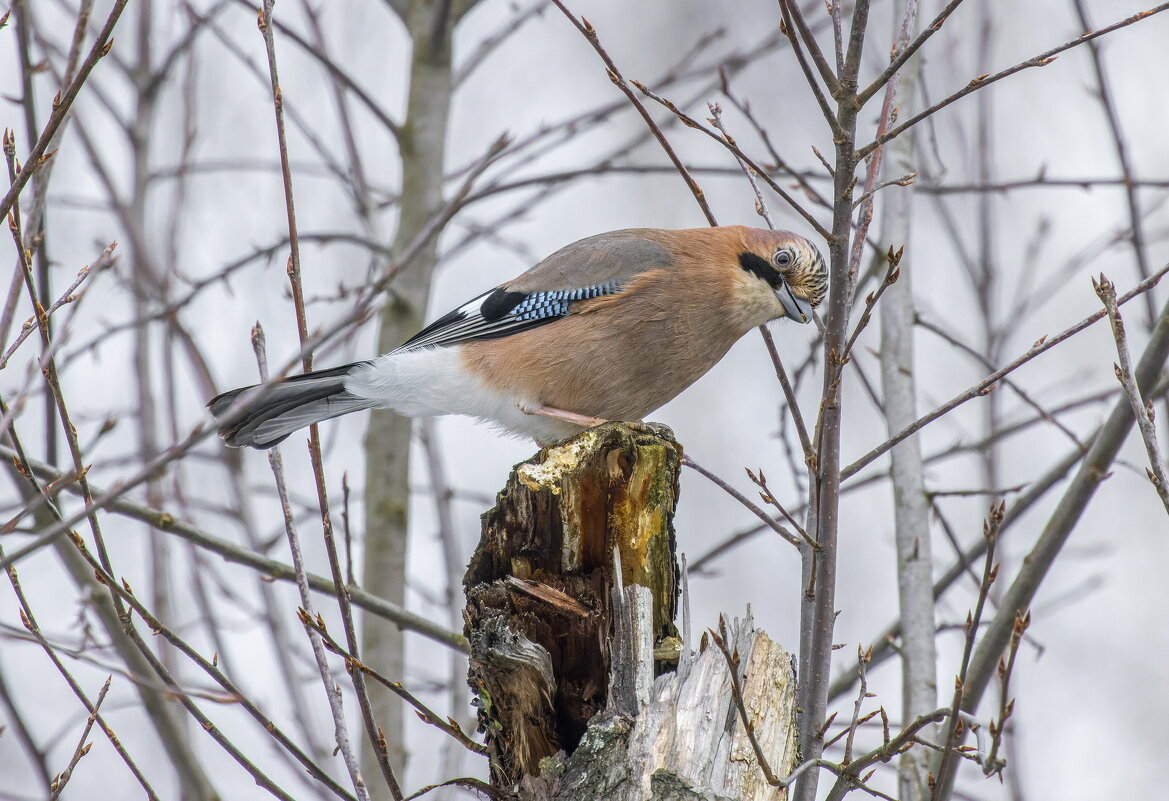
(286, 407)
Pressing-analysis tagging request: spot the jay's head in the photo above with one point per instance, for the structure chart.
(785, 274)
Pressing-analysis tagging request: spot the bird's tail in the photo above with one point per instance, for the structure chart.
(286, 407)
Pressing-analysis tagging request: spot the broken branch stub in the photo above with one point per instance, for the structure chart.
(573, 524)
(584, 688)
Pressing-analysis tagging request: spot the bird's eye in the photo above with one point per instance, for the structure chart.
(783, 258)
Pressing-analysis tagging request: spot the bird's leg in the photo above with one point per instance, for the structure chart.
(560, 414)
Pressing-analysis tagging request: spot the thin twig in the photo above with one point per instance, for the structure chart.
(1108, 104)
(332, 691)
(991, 529)
(905, 180)
(477, 785)
(720, 638)
(352, 663)
(166, 522)
(83, 747)
(359, 313)
(730, 144)
(793, 13)
(991, 764)
(789, 395)
(716, 118)
(1141, 409)
(904, 53)
(891, 275)
(760, 480)
(590, 34)
(981, 81)
(863, 658)
(986, 384)
(104, 261)
(787, 9)
(987, 364)
(61, 105)
(770, 522)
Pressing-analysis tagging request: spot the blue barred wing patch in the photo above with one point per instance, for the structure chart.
(542, 305)
(501, 312)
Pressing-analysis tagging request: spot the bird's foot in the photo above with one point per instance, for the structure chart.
(560, 414)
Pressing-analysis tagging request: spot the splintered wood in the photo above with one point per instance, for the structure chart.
(584, 687)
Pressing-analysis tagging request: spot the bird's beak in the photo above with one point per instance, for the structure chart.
(794, 307)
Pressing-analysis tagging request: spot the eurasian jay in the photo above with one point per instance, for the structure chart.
(607, 328)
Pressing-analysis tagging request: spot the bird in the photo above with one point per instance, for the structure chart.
(610, 327)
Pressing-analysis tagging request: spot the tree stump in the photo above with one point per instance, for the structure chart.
(585, 690)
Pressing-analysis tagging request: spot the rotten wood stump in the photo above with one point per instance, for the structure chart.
(585, 689)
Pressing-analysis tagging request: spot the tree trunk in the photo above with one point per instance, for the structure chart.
(585, 689)
(421, 141)
(911, 506)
